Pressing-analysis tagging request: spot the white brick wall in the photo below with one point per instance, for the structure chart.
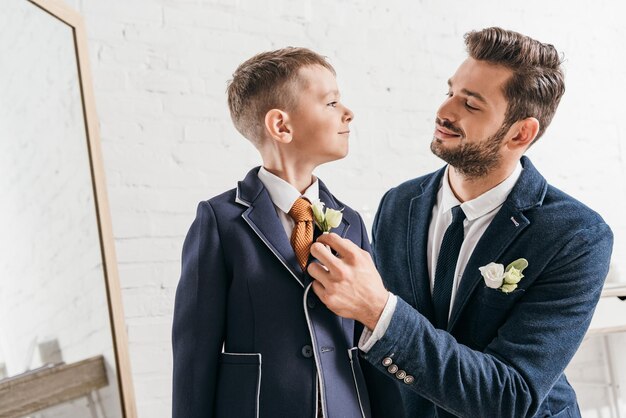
(160, 69)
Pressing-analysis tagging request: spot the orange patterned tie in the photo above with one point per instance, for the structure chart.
(302, 235)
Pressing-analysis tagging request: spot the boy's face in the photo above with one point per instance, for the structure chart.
(469, 128)
(319, 122)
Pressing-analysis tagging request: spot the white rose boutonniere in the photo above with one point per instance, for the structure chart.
(325, 219)
(505, 280)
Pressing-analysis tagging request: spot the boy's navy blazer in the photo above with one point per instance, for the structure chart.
(249, 335)
(503, 355)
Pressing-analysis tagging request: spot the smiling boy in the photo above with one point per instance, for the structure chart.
(249, 337)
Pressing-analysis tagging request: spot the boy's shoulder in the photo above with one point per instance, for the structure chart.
(226, 198)
(237, 197)
(223, 207)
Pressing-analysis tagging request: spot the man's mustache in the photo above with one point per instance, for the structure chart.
(449, 126)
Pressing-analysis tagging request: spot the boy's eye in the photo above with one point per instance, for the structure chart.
(449, 94)
(332, 104)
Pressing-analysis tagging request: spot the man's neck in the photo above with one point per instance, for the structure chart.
(469, 188)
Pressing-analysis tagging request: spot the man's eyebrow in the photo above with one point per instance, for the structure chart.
(470, 93)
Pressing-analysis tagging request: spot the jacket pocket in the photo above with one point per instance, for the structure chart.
(565, 413)
(494, 308)
(359, 382)
(238, 385)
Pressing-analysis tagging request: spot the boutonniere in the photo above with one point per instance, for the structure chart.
(325, 219)
(505, 280)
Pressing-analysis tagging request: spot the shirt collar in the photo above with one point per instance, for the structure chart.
(283, 194)
(484, 203)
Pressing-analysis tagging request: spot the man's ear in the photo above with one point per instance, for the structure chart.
(277, 125)
(527, 130)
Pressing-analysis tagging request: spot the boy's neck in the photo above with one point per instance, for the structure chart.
(299, 177)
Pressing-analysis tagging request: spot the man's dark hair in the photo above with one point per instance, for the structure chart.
(537, 84)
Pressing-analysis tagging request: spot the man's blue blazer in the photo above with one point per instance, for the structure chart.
(503, 355)
(249, 335)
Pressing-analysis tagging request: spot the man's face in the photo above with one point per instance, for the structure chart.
(320, 122)
(469, 125)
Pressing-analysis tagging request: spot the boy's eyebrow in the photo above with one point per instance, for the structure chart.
(332, 93)
(470, 93)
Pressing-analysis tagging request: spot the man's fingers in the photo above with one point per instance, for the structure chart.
(341, 246)
(318, 272)
(319, 289)
(324, 256)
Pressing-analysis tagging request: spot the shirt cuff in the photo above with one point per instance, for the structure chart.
(368, 337)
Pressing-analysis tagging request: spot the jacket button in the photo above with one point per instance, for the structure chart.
(401, 374)
(307, 351)
(392, 369)
(387, 361)
(311, 303)
(409, 379)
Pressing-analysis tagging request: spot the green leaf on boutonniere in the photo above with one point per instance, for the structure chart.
(513, 274)
(520, 264)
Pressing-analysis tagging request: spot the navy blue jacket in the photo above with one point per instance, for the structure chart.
(503, 355)
(249, 335)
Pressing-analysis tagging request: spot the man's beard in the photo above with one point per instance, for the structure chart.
(472, 161)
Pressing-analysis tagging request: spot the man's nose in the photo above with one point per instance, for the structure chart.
(447, 111)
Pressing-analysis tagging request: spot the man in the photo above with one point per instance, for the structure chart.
(492, 274)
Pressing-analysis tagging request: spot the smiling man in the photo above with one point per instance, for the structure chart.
(490, 276)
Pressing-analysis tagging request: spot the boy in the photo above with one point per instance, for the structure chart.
(249, 337)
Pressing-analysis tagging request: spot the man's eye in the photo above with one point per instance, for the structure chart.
(332, 104)
(470, 107)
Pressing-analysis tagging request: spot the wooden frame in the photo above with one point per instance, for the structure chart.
(109, 261)
(51, 385)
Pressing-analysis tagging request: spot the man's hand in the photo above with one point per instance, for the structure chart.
(351, 287)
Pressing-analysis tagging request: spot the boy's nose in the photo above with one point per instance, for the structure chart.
(348, 115)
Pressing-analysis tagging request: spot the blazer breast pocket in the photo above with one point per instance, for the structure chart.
(238, 385)
(494, 307)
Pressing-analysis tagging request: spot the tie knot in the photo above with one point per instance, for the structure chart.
(301, 210)
(457, 214)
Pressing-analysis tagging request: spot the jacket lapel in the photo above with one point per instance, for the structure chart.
(420, 213)
(262, 217)
(508, 223)
(330, 202)
(341, 230)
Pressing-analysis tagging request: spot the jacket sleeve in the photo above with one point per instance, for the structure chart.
(365, 240)
(199, 318)
(384, 393)
(517, 369)
(365, 245)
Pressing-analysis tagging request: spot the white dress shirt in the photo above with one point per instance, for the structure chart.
(284, 195)
(479, 213)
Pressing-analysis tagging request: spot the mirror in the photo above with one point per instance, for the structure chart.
(63, 348)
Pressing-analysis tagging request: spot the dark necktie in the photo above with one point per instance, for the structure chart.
(446, 265)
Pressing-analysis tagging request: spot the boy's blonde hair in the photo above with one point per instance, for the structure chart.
(267, 81)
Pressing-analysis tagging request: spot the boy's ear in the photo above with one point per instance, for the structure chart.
(527, 130)
(277, 124)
